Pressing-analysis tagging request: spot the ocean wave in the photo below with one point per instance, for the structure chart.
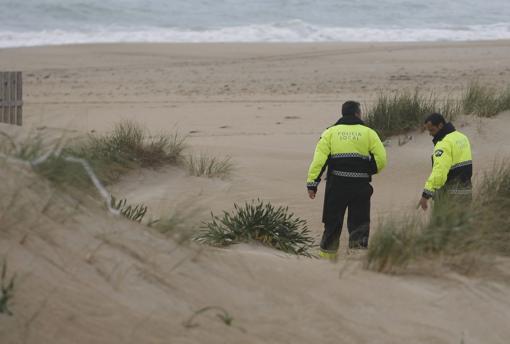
(292, 31)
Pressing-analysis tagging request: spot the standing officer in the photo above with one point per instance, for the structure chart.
(353, 153)
(452, 165)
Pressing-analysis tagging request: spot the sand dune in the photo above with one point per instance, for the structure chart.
(88, 277)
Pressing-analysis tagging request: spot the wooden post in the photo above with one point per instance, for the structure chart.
(11, 98)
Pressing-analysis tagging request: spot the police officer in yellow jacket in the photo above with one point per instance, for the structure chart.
(352, 153)
(452, 165)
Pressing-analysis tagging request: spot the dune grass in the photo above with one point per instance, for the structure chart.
(127, 147)
(485, 101)
(403, 111)
(261, 222)
(135, 212)
(455, 229)
(203, 165)
(393, 244)
(129, 143)
(111, 155)
(494, 206)
(398, 113)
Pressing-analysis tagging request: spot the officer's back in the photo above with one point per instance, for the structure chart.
(352, 153)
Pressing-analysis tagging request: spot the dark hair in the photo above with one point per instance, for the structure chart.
(435, 118)
(350, 108)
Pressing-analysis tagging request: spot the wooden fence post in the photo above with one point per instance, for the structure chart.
(11, 98)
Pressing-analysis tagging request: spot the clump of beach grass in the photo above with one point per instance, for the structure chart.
(128, 146)
(132, 212)
(398, 243)
(260, 222)
(494, 203)
(129, 143)
(454, 230)
(393, 244)
(400, 112)
(485, 101)
(131, 146)
(204, 165)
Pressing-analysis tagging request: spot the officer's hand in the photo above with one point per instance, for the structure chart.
(424, 203)
(311, 194)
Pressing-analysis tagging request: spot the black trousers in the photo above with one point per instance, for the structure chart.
(342, 196)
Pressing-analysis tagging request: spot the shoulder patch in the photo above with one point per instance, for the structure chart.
(438, 153)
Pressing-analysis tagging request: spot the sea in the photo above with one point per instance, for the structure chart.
(55, 22)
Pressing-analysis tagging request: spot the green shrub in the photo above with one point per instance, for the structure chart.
(261, 222)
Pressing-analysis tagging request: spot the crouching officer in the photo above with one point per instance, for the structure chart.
(452, 165)
(352, 153)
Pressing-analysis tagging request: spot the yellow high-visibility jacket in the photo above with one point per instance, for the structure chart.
(451, 162)
(350, 149)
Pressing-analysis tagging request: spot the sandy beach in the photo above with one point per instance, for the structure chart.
(265, 106)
